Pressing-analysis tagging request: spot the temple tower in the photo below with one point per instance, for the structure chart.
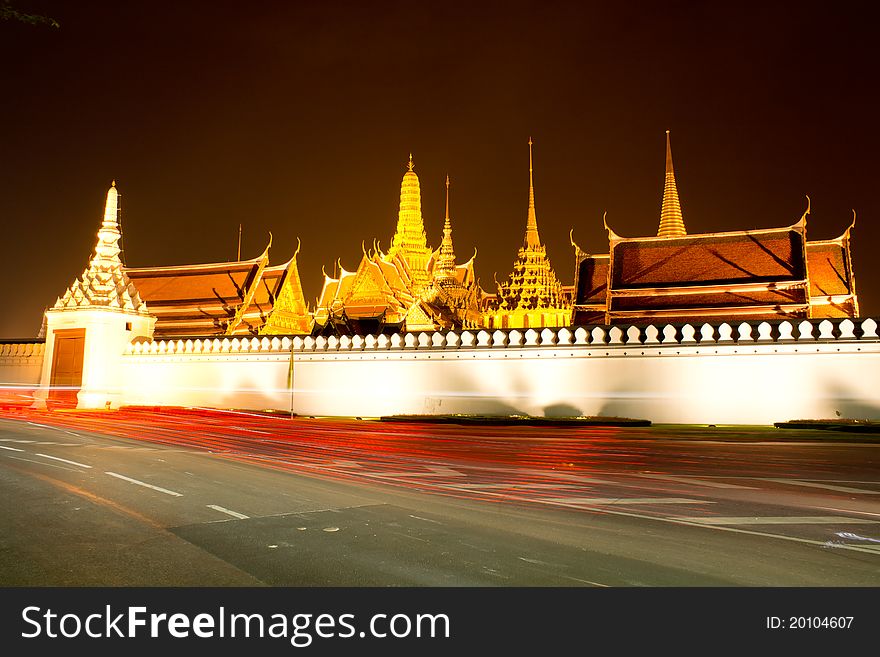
(409, 242)
(444, 269)
(671, 222)
(532, 296)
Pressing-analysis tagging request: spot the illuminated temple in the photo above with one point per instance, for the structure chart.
(247, 297)
(673, 276)
(773, 273)
(410, 288)
(532, 296)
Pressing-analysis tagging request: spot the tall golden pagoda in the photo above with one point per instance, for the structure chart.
(671, 222)
(409, 243)
(410, 288)
(532, 297)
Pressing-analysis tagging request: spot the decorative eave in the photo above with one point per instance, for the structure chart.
(842, 239)
(730, 311)
(172, 270)
(726, 288)
(799, 226)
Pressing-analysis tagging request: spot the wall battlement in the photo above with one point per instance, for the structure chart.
(784, 332)
(723, 373)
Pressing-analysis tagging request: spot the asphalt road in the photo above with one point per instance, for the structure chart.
(211, 498)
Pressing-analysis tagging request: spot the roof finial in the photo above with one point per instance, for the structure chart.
(671, 221)
(113, 184)
(411, 166)
(532, 239)
(447, 198)
(531, 181)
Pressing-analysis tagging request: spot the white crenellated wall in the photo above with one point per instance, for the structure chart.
(742, 374)
(21, 363)
(248, 373)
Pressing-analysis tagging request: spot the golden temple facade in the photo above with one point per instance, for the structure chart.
(532, 296)
(410, 288)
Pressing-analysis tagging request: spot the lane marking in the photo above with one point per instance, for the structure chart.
(602, 501)
(15, 440)
(861, 513)
(234, 514)
(856, 537)
(586, 581)
(695, 482)
(436, 522)
(781, 520)
(811, 484)
(48, 465)
(144, 484)
(721, 528)
(49, 426)
(869, 548)
(57, 458)
(11, 449)
(511, 486)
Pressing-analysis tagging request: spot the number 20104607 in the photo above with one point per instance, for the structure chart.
(810, 622)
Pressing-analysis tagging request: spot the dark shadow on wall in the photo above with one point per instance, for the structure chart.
(849, 407)
(562, 410)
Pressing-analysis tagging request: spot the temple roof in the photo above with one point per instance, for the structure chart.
(592, 279)
(212, 298)
(712, 258)
(830, 272)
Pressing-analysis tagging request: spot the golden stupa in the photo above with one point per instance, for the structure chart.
(532, 296)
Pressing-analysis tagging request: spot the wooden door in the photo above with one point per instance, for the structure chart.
(67, 366)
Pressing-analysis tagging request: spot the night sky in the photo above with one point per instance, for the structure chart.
(298, 117)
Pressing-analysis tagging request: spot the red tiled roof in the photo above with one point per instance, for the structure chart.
(719, 258)
(829, 268)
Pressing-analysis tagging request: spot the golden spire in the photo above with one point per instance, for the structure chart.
(671, 222)
(532, 239)
(445, 267)
(446, 223)
(410, 166)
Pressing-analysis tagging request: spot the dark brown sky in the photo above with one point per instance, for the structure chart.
(297, 117)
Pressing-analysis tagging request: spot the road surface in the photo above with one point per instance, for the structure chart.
(141, 497)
